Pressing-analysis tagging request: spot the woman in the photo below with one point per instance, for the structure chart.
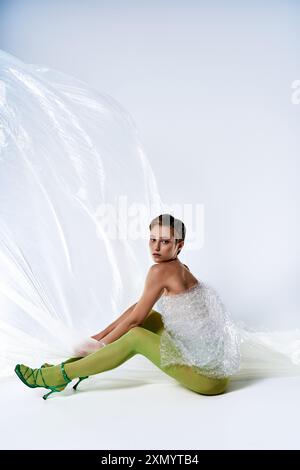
(197, 344)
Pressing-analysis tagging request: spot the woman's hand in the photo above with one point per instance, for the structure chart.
(88, 346)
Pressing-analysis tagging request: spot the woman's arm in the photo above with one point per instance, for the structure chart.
(115, 323)
(154, 286)
(119, 330)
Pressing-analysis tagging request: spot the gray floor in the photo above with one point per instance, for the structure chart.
(131, 409)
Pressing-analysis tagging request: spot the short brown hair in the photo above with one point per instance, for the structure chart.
(175, 225)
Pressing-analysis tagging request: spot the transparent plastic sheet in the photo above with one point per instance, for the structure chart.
(267, 353)
(65, 149)
(66, 153)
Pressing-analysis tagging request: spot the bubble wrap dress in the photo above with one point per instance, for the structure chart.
(198, 331)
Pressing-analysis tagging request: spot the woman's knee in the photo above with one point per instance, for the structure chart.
(145, 342)
(135, 335)
(153, 322)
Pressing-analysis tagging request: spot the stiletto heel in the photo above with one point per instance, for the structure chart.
(80, 379)
(47, 395)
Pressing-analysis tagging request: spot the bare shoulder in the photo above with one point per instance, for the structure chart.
(157, 277)
(157, 272)
(153, 289)
(157, 268)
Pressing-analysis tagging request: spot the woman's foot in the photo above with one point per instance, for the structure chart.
(53, 378)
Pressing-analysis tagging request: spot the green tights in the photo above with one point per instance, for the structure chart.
(145, 340)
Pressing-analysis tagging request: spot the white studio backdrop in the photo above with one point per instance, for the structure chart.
(210, 87)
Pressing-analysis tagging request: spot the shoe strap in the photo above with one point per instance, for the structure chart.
(35, 373)
(39, 371)
(62, 368)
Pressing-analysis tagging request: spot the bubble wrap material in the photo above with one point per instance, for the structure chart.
(199, 332)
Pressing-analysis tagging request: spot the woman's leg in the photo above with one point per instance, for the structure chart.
(137, 340)
(71, 359)
(153, 322)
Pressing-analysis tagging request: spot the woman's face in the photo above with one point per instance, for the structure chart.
(162, 244)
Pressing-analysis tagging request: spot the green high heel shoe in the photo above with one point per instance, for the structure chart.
(36, 372)
(77, 383)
